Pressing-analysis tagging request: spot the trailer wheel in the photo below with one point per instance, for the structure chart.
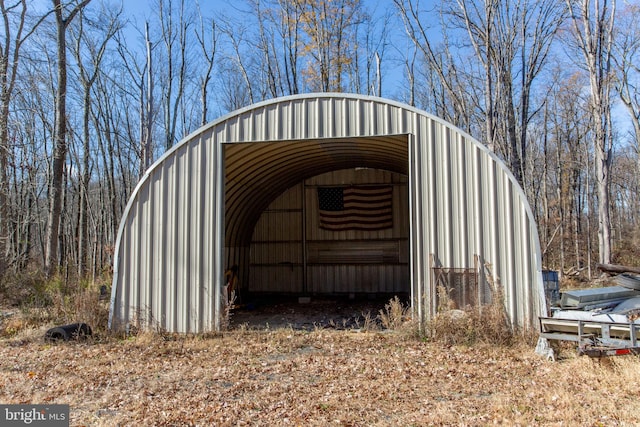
(67, 332)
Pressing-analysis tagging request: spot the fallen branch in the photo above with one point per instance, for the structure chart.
(618, 269)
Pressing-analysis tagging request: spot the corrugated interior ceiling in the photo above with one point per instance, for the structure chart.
(257, 173)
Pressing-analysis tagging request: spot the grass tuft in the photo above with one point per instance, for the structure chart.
(486, 324)
(38, 302)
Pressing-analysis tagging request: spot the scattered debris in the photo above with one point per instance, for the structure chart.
(602, 321)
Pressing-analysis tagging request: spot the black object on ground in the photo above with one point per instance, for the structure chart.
(68, 332)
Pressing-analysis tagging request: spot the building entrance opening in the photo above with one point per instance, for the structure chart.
(331, 251)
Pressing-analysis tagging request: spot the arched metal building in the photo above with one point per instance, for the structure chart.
(251, 189)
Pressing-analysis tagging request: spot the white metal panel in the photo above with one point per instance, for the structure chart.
(464, 202)
(165, 254)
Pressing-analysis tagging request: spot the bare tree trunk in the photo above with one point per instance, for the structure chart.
(410, 70)
(545, 180)
(627, 59)
(209, 53)
(83, 222)
(290, 28)
(560, 201)
(235, 37)
(479, 23)
(10, 45)
(595, 40)
(87, 79)
(60, 137)
(378, 91)
(60, 147)
(175, 67)
(8, 63)
(146, 109)
(440, 64)
(265, 45)
(103, 119)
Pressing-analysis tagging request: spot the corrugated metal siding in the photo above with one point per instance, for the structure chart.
(464, 202)
(169, 249)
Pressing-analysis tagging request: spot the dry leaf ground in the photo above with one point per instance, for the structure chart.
(317, 378)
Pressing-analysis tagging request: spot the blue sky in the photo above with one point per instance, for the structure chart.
(138, 11)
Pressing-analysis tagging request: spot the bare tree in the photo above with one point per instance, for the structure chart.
(13, 37)
(627, 60)
(371, 36)
(209, 54)
(115, 107)
(88, 73)
(9, 55)
(147, 107)
(236, 34)
(290, 35)
(479, 20)
(137, 86)
(175, 26)
(60, 148)
(593, 25)
(266, 46)
(510, 42)
(440, 61)
(570, 126)
(539, 24)
(327, 26)
(268, 54)
(511, 39)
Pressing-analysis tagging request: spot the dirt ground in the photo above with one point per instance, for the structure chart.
(322, 377)
(312, 364)
(317, 313)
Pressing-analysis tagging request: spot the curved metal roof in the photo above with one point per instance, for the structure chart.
(201, 200)
(257, 173)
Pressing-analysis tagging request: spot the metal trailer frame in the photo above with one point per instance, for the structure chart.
(595, 338)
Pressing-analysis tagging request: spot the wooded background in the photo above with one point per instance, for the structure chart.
(91, 94)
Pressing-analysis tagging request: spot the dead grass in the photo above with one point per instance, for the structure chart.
(46, 303)
(486, 324)
(469, 370)
(322, 377)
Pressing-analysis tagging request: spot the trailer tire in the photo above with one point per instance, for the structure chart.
(67, 332)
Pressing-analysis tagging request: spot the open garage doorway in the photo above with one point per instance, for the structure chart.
(330, 250)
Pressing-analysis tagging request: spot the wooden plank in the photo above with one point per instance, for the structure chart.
(353, 252)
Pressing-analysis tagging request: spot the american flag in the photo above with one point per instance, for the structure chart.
(356, 208)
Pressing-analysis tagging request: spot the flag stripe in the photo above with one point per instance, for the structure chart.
(356, 208)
